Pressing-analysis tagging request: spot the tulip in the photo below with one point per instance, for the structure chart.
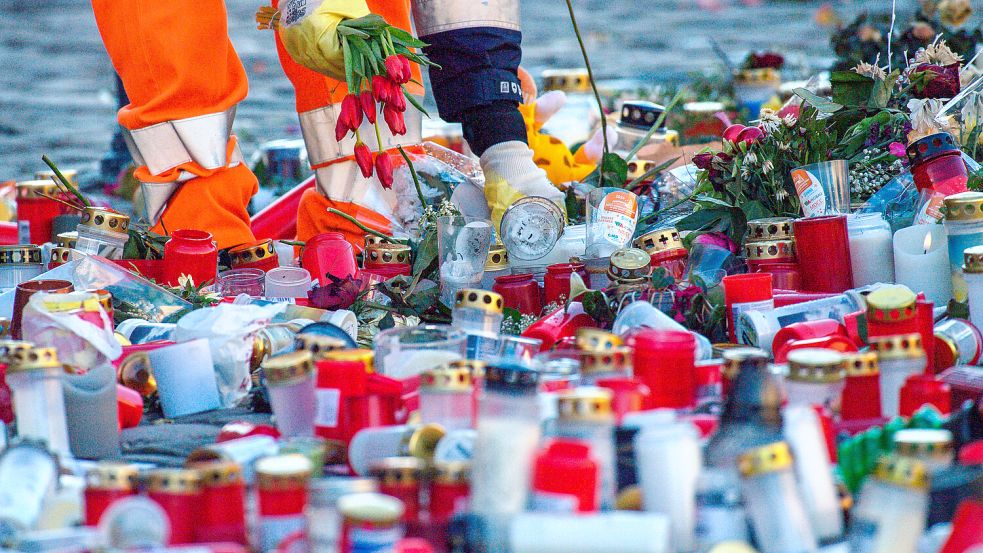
(398, 101)
(384, 169)
(397, 70)
(394, 118)
(363, 157)
(382, 88)
(368, 105)
(340, 129)
(750, 135)
(351, 112)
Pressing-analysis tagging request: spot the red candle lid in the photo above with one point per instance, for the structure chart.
(747, 288)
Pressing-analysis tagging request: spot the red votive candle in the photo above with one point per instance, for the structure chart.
(664, 362)
(190, 252)
(400, 477)
(36, 212)
(861, 398)
(383, 257)
(560, 324)
(937, 164)
(565, 478)
(556, 282)
(450, 488)
(749, 292)
(281, 489)
(104, 484)
(520, 292)
(178, 492)
(823, 248)
(921, 389)
(223, 504)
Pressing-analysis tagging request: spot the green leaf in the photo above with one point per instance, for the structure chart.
(426, 255)
(371, 22)
(818, 102)
(596, 305)
(755, 210)
(362, 48)
(880, 95)
(615, 169)
(850, 89)
(702, 219)
(349, 72)
(346, 31)
(402, 37)
(416, 103)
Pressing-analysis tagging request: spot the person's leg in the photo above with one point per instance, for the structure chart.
(183, 79)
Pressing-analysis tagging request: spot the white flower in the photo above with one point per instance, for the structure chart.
(768, 166)
(185, 280)
(750, 159)
(938, 54)
(790, 120)
(769, 121)
(869, 70)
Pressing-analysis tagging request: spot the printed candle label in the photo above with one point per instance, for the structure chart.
(763, 305)
(930, 211)
(328, 401)
(810, 192)
(616, 217)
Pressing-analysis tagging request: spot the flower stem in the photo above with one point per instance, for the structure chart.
(364, 228)
(416, 179)
(593, 85)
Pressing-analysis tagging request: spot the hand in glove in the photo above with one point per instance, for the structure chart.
(511, 174)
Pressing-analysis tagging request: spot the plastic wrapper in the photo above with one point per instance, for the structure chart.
(229, 330)
(897, 200)
(674, 188)
(80, 342)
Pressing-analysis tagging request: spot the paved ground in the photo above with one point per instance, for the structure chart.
(56, 94)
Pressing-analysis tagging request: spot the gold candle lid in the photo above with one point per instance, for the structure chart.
(771, 249)
(283, 472)
(173, 481)
(567, 80)
(733, 358)
(21, 254)
(105, 220)
(630, 264)
(112, 476)
(60, 255)
(67, 239)
(452, 472)
(218, 473)
(319, 344)
(899, 346)
(364, 356)
(484, 300)
(387, 253)
(770, 228)
(815, 365)
(288, 367)
(252, 252)
(498, 258)
(13, 349)
(861, 364)
(902, 471)
(891, 304)
(476, 367)
(30, 189)
(660, 240)
(923, 443)
(638, 167)
(765, 459)
(33, 359)
(964, 206)
(397, 471)
(585, 403)
(596, 339)
(446, 378)
(614, 360)
(973, 260)
(371, 239)
(136, 373)
(422, 442)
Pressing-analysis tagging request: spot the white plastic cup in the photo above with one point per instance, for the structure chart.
(185, 377)
(287, 282)
(669, 465)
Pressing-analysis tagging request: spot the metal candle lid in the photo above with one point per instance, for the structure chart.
(737, 356)
(765, 459)
(31, 189)
(283, 472)
(21, 254)
(931, 146)
(511, 378)
(288, 367)
(252, 252)
(660, 240)
(67, 239)
(770, 228)
(446, 378)
(105, 220)
(476, 367)
(452, 472)
(891, 304)
(614, 360)
(173, 481)
(531, 227)
(815, 365)
(370, 508)
(596, 339)
(483, 300)
(567, 80)
(371, 239)
(964, 206)
(640, 114)
(112, 476)
(973, 260)
(319, 344)
(899, 346)
(422, 442)
(386, 253)
(60, 255)
(861, 364)
(923, 443)
(902, 471)
(585, 404)
(215, 474)
(498, 258)
(772, 249)
(33, 359)
(630, 264)
(397, 471)
(637, 168)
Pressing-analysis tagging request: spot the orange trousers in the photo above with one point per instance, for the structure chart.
(176, 62)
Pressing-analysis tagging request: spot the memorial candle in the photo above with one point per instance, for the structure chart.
(921, 261)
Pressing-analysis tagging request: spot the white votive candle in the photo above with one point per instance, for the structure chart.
(871, 251)
(921, 261)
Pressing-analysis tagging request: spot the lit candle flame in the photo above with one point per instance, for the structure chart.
(928, 241)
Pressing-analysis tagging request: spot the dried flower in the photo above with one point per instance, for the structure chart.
(337, 294)
(933, 81)
(922, 31)
(870, 70)
(868, 33)
(363, 157)
(937, 54)
(954, 12)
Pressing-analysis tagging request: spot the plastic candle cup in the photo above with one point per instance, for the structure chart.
(287, 282)
(778, 258)
(255, 255)
(178, 492)
(19, 264)
(105, 483)
(402, 352)
(921, 257)
(34, 376)
(103, 232)
(585, 413)
(446, 397)
(400, 477)
(190, 252)
(973, 275)
(815, 377)
(748, 292)
(964, 229)
(936, 164)
(871, 249)
(290, 381)
(898, 357)
(281, 483)
(667, 251)
(822, 245)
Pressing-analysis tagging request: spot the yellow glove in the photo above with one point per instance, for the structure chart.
(309, 32)
(511, 174)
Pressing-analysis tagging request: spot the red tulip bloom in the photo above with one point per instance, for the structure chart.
(351, 112)
(340, 129)
(398, 101)
(368, 105)
(384, 169)
(382, 88)
(363, 157)
(394, 118)
(398, 69)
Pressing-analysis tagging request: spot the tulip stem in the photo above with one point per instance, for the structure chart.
(416, 179)
(593, 85)
(364, 228)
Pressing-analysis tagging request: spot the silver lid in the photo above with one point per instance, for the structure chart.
(531, 227)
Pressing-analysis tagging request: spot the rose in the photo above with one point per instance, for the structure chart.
(933, 81)
(717, 239)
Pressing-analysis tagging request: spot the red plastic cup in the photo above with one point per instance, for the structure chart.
(861, 398)
(521, 292)
(556, 282)
(664, 362)
(921, 389)
(329, 253)
(823, 247)
(792, 297)
(223, 504)
(923, 323)
(560, 324)
(835, 342)
(785, 276)
(744, 292)
(630, 395)
(806, 330)
(565, 471)
(36, 213)
(129, 405)
(190, 252)
(23, 294)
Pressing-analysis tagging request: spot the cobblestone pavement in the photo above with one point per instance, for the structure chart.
(56, 88)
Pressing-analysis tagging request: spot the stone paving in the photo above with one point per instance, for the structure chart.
(56, 94)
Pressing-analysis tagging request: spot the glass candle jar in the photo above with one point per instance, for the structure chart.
(937, 164)
(520, 292)
(255, 255)
(287, 282)
(281, 492)
(822, 245)
(447, 397)
(329, 253)
(890, 513)
(957, 342)
(403, 352)
(972, 272)
(249, 281)
(462, 244)
(193, 253)
(773, 502)
(666, 249)
(290, 384)
(871, 248)
(105, 483)
(556, 281)
(964, 230)
(28, 475)
(496, 265)
(18, 264)
(178, 492)
(36, 210)
(103, 232)
(815, 377)
(401, 477)
(323, 517)
(223, 503)
(34, 376)
(579, 117)
(371, 522)
(585, 413)
(803, 430)
(898, 357)
(478, 313)
(778, 258)
(379, 442)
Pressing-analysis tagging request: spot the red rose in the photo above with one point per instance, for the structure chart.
(933, 81)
